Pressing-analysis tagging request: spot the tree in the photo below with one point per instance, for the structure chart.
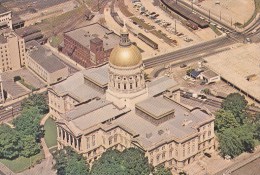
(135, 162)
(225, 119)
(246, 135)
(76, 166)
(108, 163)
(234, 141)
(28, 123)
(68, 162)
(130, 162)
(29, 146)
(236, 103)
(229, 143)
(257, 131)
(161, 170)
(9, 143)
(36, 100)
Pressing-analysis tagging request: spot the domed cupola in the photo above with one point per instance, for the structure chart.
(125, 54)
(126, 73)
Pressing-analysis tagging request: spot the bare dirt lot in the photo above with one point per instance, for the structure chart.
(239, 11)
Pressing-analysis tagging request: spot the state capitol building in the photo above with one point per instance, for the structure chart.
(112, 106)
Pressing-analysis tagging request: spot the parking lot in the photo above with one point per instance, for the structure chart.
(167, 28)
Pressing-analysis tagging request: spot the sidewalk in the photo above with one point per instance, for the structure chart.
(45, 167)
(44, 146)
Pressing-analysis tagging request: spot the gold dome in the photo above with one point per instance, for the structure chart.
(125, 56)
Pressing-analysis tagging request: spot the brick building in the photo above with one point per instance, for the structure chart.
(90, 45)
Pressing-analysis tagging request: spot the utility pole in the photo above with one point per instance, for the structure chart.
(98, 5)
(175, 27)
(220, 15)
(192, 5)
(209, 15)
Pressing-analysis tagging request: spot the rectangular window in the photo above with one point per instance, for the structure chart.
(93, 140)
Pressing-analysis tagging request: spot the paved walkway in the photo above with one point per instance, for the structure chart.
(44, 146)
(45, 167)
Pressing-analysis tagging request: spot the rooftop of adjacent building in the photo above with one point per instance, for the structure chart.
(44, 57)
(238, 66)
(83, 35)
(5, 34)
(3, 9)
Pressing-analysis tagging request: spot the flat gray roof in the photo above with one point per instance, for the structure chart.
(156, 107)
(75, 87)
(3, 9)
(98, 75)
(209, 74)
(236, 65)
(160, 85)
(151, 135)
(97, 115)
(83, 35)
(46, 59)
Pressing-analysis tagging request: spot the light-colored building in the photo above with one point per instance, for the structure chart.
(5, 18)
(210, 77)
(12, 51)
(45, 64)
(113, 107)
(1, 90)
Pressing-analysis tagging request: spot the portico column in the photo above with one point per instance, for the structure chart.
(69, 139)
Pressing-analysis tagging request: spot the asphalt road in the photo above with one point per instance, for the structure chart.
(191, 52)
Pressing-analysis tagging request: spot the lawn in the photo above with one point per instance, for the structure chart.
(50, 133)
(22, 163)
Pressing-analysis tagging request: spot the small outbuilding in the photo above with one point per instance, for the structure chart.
(210, 77)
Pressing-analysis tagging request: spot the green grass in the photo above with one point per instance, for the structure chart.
(50, 133)
(22, 163)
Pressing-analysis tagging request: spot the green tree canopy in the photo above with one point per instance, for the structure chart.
(225, 119)
(129, 162)
(68, 162)
(236, 103)
(30, 146)
(229, 143)
(9, 143)
(36, 100)
(161, 170)
(234, 141)
(28, 123)
(257, 131)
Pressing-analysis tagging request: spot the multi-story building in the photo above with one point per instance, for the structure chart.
(90, 45)
(1, 90)
(12, 51)
(5, 18)
(113, 107)
(45, 64)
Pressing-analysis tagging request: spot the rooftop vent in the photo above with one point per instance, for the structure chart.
(149, 135)
(160, 132)
(186, 122)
